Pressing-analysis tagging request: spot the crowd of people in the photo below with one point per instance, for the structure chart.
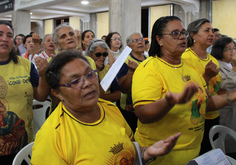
(166, 97)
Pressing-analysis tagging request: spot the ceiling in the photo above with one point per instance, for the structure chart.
(62, 8)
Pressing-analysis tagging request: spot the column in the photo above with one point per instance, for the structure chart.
(125, 17)
(21, 22)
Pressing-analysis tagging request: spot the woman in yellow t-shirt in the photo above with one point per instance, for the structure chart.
(85, 129)
(170, 96)
(200, 38)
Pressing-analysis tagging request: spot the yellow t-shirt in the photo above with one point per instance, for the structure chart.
(151, 81)
(66, 140)
(16, 99)
(200, 64)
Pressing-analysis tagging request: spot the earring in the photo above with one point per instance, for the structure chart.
(194, 40)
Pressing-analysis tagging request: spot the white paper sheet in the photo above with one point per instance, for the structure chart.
(213, 157)
(109, 77)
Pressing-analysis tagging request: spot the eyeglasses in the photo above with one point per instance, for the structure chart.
(136, 40)
(177, 34)
(105, 54)
(218, 35)
(79, 82)
(229, 49)
(18, 39)
(119, 39)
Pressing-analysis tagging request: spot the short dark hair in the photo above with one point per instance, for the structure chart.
(215, 30)
(12, 54)
(103, 36)
(157, 30)
(53, 71)
(219, 46)
(193, 28)
(108, 39)
(146, 42)
(27, 36)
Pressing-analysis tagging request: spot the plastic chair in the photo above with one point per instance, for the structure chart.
(24, 154)
(220, 141)
(138, 160)
(40, 113)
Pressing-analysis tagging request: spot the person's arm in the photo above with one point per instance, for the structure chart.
(41, 92)
(36, 40)
(79, 47)
(125, 82)
(159, 148)
(113, 97)
(155, 111)
(111, 58)
(50, 144)
(219, 101)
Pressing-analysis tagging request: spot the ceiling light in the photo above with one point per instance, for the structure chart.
(84, 2)
(31, 13)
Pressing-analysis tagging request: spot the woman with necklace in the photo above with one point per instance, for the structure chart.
(200, 38)
(169, 95)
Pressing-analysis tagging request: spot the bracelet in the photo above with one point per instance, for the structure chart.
(142, 157)
(227, 98)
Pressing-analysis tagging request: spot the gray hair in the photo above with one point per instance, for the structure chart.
(128, 39)
(44, 38)
(95, 43)
(193, 28)
(54, 33)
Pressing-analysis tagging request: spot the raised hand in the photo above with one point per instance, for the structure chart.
(161, 147)
(41, 64)
(211, 70)
(185, 96)
(132, 65)
(36, 38)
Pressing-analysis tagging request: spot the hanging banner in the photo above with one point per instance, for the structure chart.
(6, 5)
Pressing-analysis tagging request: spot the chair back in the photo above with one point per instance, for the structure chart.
(222, 132)
(24, 154)
(40, 113)
(138, 160)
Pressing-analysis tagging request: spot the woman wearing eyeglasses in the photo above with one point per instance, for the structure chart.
(85, 129)
(200, 38)
(113, 41)
(98, 51)
(224, 50)
(170, 96)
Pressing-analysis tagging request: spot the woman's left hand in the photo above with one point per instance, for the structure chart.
(161, 147)
(41, 64)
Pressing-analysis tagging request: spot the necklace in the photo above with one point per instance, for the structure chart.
(184, 78)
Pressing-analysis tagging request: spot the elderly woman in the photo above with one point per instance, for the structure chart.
(161, 113)
(224, 51)
(85, 129)
(98, 51)
(113, 40)
(200, 38)
(19, 84)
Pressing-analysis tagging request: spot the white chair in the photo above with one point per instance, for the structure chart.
(138, 160)
(220, 141)
(40, 113)
(24, 154)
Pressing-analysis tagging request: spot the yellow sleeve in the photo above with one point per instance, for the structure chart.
(47, 149)
(147, 86)
(91, 62)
